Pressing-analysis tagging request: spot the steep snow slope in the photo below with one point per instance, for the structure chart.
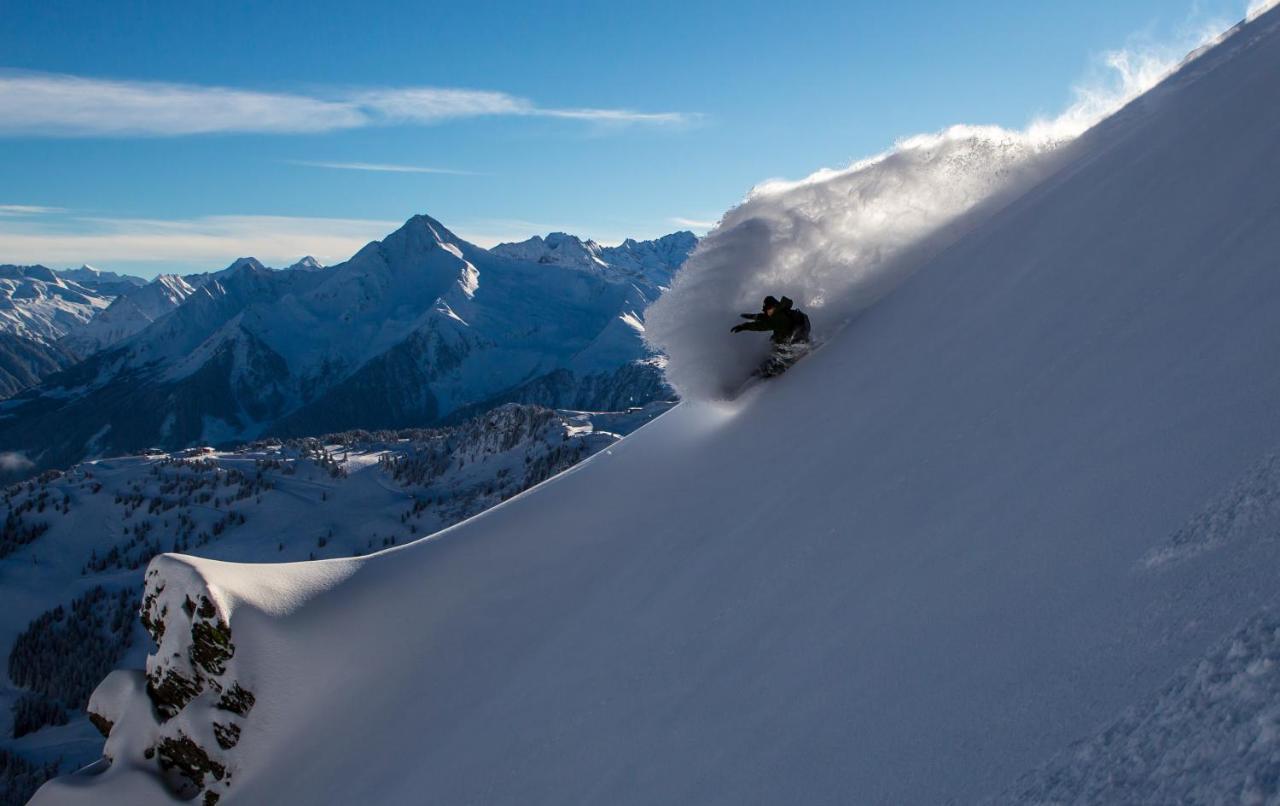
(128, 313)
(915, 568)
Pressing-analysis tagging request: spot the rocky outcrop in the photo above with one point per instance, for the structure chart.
(189, 708)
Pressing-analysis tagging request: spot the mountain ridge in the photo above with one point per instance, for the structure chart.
(405, 332)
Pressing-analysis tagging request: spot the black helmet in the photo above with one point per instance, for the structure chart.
(770, 302)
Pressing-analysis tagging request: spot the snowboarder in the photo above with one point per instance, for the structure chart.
(790, 328)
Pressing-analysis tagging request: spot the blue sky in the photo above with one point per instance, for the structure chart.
(169, 136)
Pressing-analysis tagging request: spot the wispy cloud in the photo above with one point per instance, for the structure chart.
(385, 167)
(40, 103)
(692, 223)
(209, 241)
(618, 116)
(28, 209)
(432, 104)
(77, 106)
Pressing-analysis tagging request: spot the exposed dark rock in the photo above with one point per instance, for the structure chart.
(188, 759)
(100, 722)
(170, 692)
(227, 735)
(151, 621)
(211, 646)
(237, 700)
(206, 610)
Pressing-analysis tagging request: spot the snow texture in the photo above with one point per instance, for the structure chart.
(1211, 736)
(1251, 508)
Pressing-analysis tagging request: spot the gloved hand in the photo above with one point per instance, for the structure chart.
(737, 328)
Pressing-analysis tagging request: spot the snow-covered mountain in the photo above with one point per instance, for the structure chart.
(130, 312)
(412, 329)
(1007, 537)
(37, 308)
(651, 262)
(36, 303)
(307, 263)
(102, 283)
(50, 319)
(79, 540)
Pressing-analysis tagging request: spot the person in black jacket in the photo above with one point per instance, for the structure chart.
(790, 328)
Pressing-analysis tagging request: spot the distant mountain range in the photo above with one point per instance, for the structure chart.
(102, 283)
(419, 328)
(37, 308)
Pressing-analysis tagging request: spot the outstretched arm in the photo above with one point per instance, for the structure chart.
(758, 324)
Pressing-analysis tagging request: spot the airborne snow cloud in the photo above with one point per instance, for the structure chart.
(838, 240)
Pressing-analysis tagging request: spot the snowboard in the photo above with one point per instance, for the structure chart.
(776, 365)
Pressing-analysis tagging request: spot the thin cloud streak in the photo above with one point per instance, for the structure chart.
(59, 105)
(384, 167)
(28, 209)
(692, 223)
(65, 105)
(213, 241)
(618, 116)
